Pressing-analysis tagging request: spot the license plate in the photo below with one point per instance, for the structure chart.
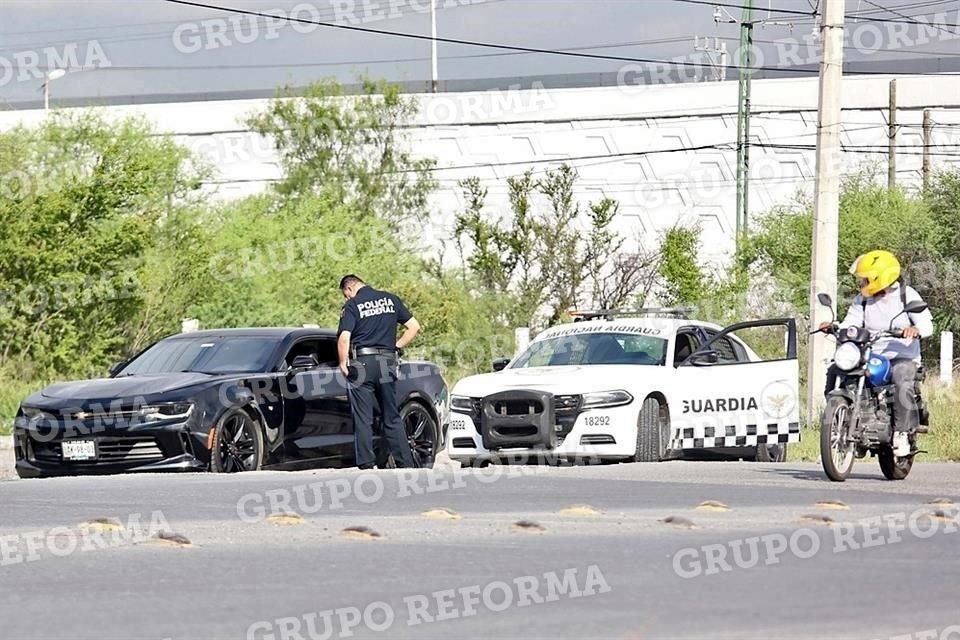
(79, 450)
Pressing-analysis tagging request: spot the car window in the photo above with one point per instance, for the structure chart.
(593, 348)
(686, 344)
(323, 349)
(727, 349)
(207, 354)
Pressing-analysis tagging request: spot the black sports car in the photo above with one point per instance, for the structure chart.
(225, 400)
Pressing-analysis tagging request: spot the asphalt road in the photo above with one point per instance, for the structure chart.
(636, 576)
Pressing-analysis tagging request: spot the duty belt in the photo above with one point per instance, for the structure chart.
(375, 351)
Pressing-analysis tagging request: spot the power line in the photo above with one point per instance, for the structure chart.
(904, 20)
(897, 13)
(474, 43)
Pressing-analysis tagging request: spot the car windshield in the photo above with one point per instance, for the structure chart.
(593, 348)
(218, 354)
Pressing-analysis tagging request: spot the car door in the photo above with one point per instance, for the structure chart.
(727, 395)
(317, 419)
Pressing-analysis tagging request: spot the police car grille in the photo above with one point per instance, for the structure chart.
(517, 407)
(566, 409)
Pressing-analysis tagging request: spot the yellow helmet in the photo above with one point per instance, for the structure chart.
(875, 271)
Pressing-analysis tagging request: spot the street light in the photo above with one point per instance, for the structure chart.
(56, 74)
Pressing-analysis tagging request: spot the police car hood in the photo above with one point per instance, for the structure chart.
(566, 380)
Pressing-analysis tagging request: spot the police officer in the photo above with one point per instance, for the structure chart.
(368, 348)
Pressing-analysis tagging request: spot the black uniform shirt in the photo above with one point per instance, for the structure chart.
(371, 317)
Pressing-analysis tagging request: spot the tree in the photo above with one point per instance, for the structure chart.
(350, 149)
(81, 205)
(538, 256)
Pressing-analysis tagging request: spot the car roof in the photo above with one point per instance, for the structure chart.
(257, 332)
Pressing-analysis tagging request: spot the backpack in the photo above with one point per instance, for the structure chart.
(903, 303)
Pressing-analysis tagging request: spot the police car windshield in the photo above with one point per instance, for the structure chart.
(594, 348)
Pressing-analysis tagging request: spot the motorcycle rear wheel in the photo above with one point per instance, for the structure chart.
(836, 454)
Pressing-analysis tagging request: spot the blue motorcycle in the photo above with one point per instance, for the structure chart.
(859, 414)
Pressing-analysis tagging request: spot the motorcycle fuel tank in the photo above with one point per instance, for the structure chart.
(878, 371)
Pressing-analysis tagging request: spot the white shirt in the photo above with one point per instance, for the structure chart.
(880, 310)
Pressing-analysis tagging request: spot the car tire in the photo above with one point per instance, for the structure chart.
(237, 443)
(653, 432)
(771, 453)
(422, 433)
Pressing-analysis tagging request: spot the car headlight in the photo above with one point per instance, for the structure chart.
(847, 356)
(600, 399)
(29, 417)
(462, 403)
(167, 411)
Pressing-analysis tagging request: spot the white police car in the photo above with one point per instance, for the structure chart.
(638, 386)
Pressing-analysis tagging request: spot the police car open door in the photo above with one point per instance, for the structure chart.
(729, 395)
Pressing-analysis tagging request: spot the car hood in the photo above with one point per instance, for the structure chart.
(122, 387)
(565, 380)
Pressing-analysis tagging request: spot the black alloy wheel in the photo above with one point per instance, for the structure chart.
(237, 444)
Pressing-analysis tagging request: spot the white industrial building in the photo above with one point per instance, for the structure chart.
(628, 143)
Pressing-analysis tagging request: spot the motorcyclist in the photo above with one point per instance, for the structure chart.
(882, 297)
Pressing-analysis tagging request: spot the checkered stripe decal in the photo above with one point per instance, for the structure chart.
(750, 435)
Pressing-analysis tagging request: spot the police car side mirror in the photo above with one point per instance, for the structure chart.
(704, 358)
(500, 364)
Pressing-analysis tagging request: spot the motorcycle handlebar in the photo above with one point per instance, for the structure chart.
(832, 330)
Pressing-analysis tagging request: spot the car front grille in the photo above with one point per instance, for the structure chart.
(133, 450)
(464, 443)
(566, 410)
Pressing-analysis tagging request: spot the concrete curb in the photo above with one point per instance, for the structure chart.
(6, 442)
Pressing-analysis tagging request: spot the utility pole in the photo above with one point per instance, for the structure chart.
(892, 135)
(720, 49)
(743, 118)
(827, 200)
(433, 45)
(745, 64)
(927, 141)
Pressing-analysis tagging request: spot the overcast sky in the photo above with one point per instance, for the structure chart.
(185, 46)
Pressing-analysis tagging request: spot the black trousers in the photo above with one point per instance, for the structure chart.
(373, 379)
(906, 413)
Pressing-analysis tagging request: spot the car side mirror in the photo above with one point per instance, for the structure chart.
(303, 363)
(116, 367)
(500, 364)
(704, 358)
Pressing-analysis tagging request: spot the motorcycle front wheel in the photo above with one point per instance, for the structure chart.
(895, 468)
(836, 454)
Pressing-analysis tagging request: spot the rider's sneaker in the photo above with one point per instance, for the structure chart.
(901, 444)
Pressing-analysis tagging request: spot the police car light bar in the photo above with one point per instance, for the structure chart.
(610, 314)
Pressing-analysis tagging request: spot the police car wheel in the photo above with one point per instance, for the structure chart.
(237, 443)
(653, 432)
(772, 453)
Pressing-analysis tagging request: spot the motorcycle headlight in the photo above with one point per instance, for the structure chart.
(847, 356)
(600, 399)
(170, 411)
